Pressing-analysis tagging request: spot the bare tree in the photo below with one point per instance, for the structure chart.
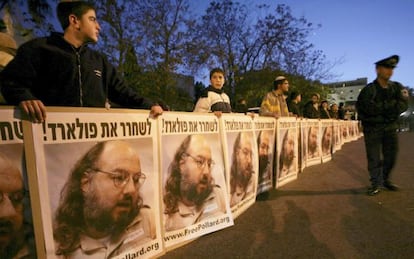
(221, 32)
(30, 18)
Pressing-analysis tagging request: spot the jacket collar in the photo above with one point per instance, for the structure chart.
(212, 89)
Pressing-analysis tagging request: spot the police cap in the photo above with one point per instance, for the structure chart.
(390, 62)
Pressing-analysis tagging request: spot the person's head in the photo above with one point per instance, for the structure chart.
(315, 98)
(242, 161)
(217, 78)
(189, 174)
(11, 204)
(295, 97)
(101, 196)
(334, 107)
(313, 139)
(325, 104)
(287, 153)
(263, 146)
(341, 105)
(385, 67)
(79, 19)
(327, 140)
(281, 83)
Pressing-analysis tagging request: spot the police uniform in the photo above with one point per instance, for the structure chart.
(214, 205)
(379, 109)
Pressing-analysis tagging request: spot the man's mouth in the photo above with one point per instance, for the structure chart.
(125, 204)
(6, 228)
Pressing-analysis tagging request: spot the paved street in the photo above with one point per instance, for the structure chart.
(325, 213)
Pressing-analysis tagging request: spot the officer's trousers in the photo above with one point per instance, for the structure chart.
(381, 145)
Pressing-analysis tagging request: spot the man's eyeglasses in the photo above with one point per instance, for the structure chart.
(121, 179)
(14, 197)
(246, 152)
(201, 161)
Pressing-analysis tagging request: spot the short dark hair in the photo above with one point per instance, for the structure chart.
(77, 8)
(216, 70)
(293, 95)
(276, 83)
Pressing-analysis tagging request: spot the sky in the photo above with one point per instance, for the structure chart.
(358, 32)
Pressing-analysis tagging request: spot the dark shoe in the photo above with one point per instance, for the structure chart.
(373, 190)
(390, 186)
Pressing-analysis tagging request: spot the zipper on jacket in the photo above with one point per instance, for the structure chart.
(78, 61)
(80, 80)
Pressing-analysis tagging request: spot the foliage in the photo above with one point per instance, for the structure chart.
(151, 41)
(32, 17)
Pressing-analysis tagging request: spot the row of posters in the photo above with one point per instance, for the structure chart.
(118, 184)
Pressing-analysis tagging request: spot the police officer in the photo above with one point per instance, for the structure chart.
(379, 105)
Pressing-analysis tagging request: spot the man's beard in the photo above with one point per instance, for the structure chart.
(244, 175)
(99, 216)
(190, 190)
(8, 233)
(287, 158)
(263, 163)
(312, 147)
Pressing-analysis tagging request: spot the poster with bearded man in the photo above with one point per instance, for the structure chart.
(311, 142)
(241, 157)
(265, 128)
(98, 178)
(287, 166)
(16, 225)
(194, 201)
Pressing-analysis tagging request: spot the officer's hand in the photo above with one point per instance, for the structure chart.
(34, 109)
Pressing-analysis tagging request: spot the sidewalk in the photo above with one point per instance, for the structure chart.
(325, 213)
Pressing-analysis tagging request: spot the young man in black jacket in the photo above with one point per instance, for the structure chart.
(379, 106)
(61, 70)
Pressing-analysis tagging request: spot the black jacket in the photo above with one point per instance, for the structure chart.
(53, 71)
(309, 111)
(381, 106)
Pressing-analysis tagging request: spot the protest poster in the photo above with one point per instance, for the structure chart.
(265, 132)
(287, 166)
(16, 222)
(193, 177)
(241, 157)
(303, 144)
(98, 172)
(326, 139)
(337, 141)
(312, 139)
(345, 131)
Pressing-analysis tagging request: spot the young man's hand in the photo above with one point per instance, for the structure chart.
(34, 109)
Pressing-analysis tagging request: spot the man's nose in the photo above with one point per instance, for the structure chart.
(130, 187)
(6, 208)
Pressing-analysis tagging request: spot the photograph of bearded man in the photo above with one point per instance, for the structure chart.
(242, 175)
(101, 212)
(287, 154)
(190, 190)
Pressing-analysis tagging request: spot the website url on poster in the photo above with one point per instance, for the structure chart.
(143, 251)
(242, 203)
(196, 228)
